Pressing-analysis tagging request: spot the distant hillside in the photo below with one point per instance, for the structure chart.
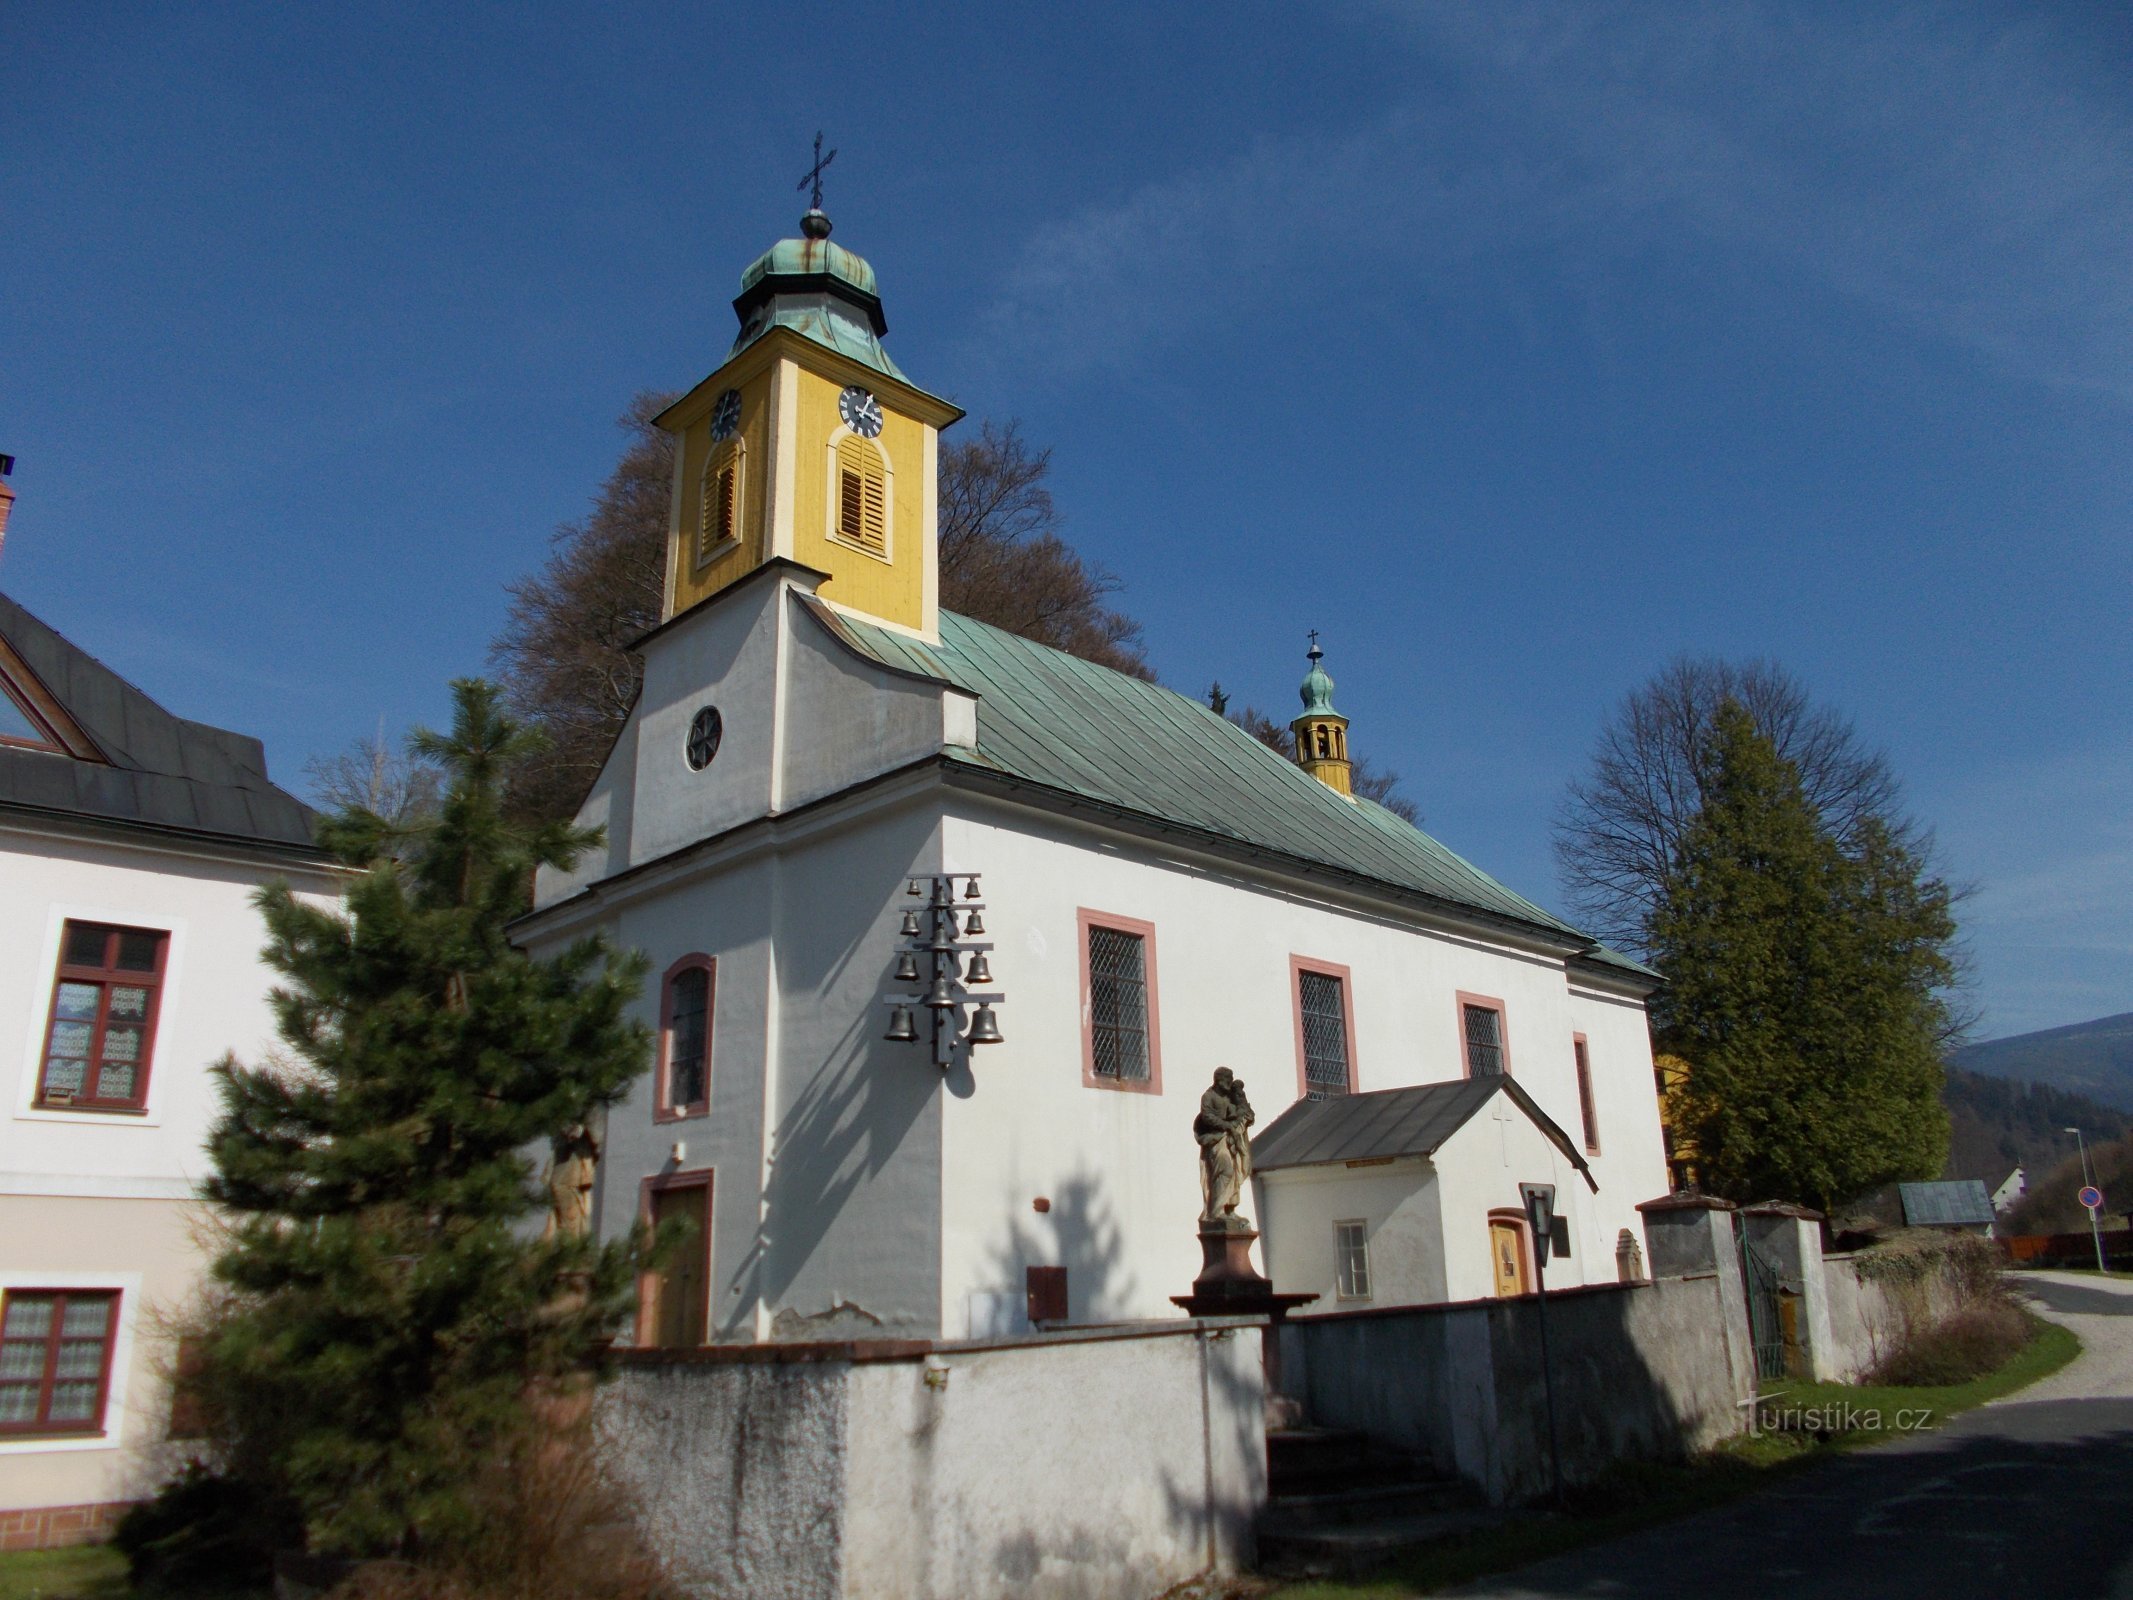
(1996, 1126)
(2090, 1058)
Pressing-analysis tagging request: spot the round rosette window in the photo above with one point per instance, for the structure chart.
(706, 728)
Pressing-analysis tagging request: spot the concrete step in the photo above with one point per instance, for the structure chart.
(1328, 1460)
(1349, 1547)
(1389, 1497)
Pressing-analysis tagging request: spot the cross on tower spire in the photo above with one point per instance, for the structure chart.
(813, 179)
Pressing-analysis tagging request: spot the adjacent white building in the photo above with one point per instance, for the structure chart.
(1162, 895)
(131, 843)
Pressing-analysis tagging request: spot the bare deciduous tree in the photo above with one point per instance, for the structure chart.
(370, 775)
(563, 656)
(1372, 782)
(1003, 562)
(1618, 827)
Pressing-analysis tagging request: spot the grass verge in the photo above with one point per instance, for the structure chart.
(84, 1572)
(1816, 1420)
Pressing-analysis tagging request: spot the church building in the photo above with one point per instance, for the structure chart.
(949, 930)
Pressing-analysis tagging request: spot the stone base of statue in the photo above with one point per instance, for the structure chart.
(1228, 1284)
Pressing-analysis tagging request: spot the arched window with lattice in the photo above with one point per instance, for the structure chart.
(718, 520)
(859, 496)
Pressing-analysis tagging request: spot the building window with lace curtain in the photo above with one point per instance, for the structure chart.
(1121, 1042)
(1325, 1053)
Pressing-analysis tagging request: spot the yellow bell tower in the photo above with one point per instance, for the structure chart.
(1321, 732)
(808, 444)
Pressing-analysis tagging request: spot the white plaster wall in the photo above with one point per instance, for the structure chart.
(1479, 1169)
(847, 719)
(1121, 1168)
(213, 1002)
(1400, 1205)
(1055, 1471)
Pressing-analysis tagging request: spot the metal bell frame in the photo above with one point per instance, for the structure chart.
(933, 961)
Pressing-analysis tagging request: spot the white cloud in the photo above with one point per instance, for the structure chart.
(1970, 178)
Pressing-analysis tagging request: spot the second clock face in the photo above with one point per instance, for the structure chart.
(727, 416)
(861, 412)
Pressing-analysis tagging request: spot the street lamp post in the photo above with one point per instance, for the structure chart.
(1540, 1224)
(2088, 1185)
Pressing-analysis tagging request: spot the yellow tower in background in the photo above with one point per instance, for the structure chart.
(808, 444)
(1321, 732)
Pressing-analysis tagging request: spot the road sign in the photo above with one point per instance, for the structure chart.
(2092, 1197)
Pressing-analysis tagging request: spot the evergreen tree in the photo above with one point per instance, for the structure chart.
(1803, 986)
(395, 1309)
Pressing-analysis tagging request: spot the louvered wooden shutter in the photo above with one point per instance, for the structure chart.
(862, 499)
(720, 513)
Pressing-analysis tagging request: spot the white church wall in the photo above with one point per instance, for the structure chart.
(848, 719)
(1119, 1168)
(1631, 1162)
(1479, 1169)
(1399, 1206)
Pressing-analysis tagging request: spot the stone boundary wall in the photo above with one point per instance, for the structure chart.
(1102, 1462)
(1868, 1317)
(1651, 1370)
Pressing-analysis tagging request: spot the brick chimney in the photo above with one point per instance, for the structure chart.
(7, 497)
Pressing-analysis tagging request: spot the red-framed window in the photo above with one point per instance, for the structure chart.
(101, 1037)
(1121, 1028)
(1325, 1029)
(55, 1359)
(686, 996)
(1484, 1040)
(1586, 1110)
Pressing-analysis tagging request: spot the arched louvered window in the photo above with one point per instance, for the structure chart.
(859, 512)
(719, 516)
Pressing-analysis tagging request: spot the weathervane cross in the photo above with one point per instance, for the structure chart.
(813, 180)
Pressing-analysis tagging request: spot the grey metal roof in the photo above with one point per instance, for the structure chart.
(1053, 720)
(1392, 1122)
(1947, 1203)
(160, 771)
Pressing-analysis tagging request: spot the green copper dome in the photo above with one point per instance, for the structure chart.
(1317, 688)
(821, 291)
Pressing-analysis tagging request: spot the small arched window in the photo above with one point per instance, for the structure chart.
(859, 512)
(685, 1038)
(719, 514)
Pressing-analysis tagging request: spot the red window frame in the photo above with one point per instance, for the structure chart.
(1298, 966)
(1483, 1002)
(41, 1426)
(666, 1108)
(1587, 1110)
(105, 976)
(1085, 921)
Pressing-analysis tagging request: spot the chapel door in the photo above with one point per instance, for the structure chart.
(682, 1300)
(1507, 1250)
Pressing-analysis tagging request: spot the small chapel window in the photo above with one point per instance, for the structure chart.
(1118, 996)
(103, 1018)
(1481, 1027)
(1586, 1110)
(1321, 999)
(1351, 1251)
(862, 510)
(685, 1039)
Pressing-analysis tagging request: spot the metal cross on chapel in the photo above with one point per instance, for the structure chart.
(813, 180)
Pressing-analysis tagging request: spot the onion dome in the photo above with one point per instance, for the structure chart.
(821, 291)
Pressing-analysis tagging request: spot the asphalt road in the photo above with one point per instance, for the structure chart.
(2029, 1498)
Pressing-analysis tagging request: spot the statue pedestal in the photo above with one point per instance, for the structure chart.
(1228, 1284)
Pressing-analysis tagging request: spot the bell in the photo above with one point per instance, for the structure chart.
(911, 886)
(907, 968)
(980, 969)
(901, 1028)
(984, 1027)
(971, 893)
(938, 995)
(976, 924)
(910, 924)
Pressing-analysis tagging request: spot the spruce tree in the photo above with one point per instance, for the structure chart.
(396, 1309)
(1803, 986)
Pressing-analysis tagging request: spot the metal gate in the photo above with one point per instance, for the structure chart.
(1766, 1328)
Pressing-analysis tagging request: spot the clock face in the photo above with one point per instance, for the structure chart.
(727, 415)
(706, 728)
(861, 412)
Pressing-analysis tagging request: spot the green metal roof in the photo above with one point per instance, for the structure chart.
(1054, 720)
(822, 292)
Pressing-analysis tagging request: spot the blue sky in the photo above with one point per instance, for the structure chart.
(1517, 347)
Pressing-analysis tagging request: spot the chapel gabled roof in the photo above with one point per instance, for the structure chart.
(1054, 722)
(1389, 1123)
(145, 767)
